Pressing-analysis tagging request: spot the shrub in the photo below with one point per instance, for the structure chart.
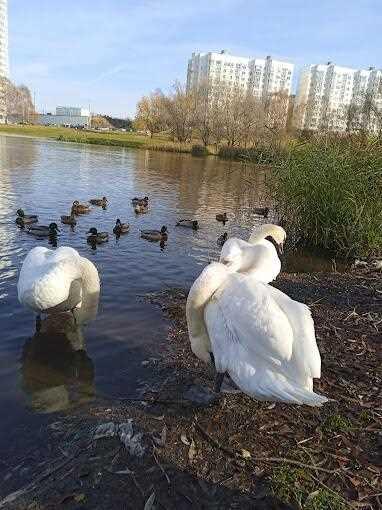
(199, 150)
(328, 191)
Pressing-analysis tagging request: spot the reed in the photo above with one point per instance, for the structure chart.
(329, 192)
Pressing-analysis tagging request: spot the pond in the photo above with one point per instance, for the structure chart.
(65, 366)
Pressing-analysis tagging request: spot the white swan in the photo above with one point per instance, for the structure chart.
(259, 256)
(263, 339)
(53, 281)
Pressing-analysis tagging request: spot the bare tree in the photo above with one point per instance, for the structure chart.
(150, 113)
(180, 112)
(18, 102)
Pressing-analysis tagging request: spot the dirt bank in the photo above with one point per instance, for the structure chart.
(234, 452)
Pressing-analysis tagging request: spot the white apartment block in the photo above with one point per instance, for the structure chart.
(262, 77)
(326, 92)
(4, 63)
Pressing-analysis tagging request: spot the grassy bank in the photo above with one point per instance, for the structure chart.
(128, 140)
(329, 192)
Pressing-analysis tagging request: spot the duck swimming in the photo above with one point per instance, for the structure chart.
(188, 224)
(155, 235)
(222, 217)
(120, 228)
(69, 220)
(102, 202)
(43, 230)
(96, 237)
(140, 208)
(25, 218)
(140, 201)
(222, 239)
(261, 211)
(80, 208)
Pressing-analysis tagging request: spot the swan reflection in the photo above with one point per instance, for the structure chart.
(57, 372)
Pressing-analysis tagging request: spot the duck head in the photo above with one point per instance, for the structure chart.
(53, 228)
(118, 222)
(20, 213)
(93, 231)
(195, 224)
(163, 230)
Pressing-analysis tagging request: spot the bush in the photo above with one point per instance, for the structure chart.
(260, 155)
(199, 150)
(328, 192)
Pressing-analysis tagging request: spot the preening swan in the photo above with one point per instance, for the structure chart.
(259, 256)
(263, 339)
(53, 281)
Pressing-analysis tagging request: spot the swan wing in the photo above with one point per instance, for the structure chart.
(46, 277)
(253, 340)
(305, 352)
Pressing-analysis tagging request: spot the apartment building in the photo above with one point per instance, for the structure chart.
(4, 63)
(327, 95)
(262, 77)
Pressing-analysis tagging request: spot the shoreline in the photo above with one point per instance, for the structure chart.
(235, 451)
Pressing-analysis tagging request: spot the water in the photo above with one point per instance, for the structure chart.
(67, 365)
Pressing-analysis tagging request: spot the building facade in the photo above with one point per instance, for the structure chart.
(69, 116)
(262, 77)
(333, 98)
(4, 61)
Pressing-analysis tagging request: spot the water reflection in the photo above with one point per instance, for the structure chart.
(57, 372)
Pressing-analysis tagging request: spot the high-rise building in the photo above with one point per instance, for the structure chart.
(4, 64)
(263, 77)
(328, 94)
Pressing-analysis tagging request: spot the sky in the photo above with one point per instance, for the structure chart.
(109, 53)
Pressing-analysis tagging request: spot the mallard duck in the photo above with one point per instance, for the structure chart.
(155, 235)
(120, 228)
(261, 211)
(43, 230)
(69, 220)
(102, 202)
(25, 218)
(140, 201)
(140, 208)
(188, 224)
(222, 239)
(222, 217)
(80, 208)
(96, 237)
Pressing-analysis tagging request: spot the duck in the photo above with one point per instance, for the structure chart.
(24, 219)
(222, 239)
(55, 281)
(120, 228)
(102, 202)
(80, 208)
(261, 211)
(140, 208)
(69, 220)
(259, 256)
(222, 217)
(44, 230)
(155, 235)
(140, 201)
(264, 340)
(188, 224)
(96, 237)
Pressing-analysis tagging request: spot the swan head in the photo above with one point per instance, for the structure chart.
(275, 232)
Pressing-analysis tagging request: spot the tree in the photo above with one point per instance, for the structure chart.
(150, 114)
(180, 112)
(18, 102)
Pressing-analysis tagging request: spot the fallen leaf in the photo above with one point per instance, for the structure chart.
(245, 454)
(192, 450)
(184, 440)
(150, 502)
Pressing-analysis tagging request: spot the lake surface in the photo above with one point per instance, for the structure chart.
(66, 365)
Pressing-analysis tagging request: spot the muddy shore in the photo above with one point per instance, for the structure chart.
(196, 452)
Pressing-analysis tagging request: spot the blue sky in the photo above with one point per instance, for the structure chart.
(109, 53)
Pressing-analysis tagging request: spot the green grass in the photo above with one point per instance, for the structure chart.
(337, 423)
(329, 193)
(128, 140)
(296, 487)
